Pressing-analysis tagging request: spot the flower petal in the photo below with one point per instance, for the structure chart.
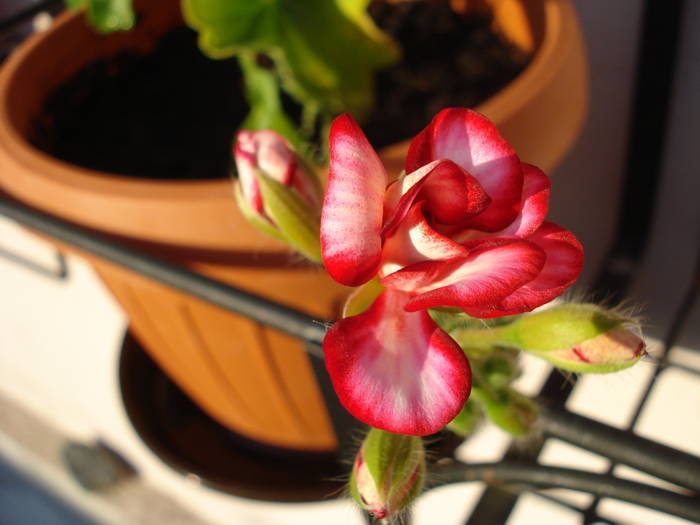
(535, 202)
(395, 370)
(472, 141)
(264, 150)
(564, 261)
(401, 194)
(414, 240)
(492, 270)
(351, 220)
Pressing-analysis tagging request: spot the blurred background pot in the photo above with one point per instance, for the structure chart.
(257, 382)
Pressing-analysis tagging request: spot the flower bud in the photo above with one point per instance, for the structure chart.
(579, 338)
(500, 367)
(277, 192)
(508, 409)
(468, 418)
(269, 152)
(388, 473)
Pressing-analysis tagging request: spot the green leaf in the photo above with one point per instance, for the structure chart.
(106, 16)
(326, 51)
(296, 220)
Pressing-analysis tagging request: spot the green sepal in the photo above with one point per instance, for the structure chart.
(395, 454)
(508, 409)
(499, 368)
(561, 326)
(451, 319)
(362, 298)
(106, 16)
(253, 217)
(296, 219)
(468, 418)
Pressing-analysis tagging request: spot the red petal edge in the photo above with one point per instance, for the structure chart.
(535, 202)
(451, 195)
(414, 240)
(395, 370)
(562, 267)
(491, 271)
(473, 142)
(351, 219)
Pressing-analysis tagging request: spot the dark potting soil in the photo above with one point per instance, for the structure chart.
(172, 114)
(449, 60)
(167, 115)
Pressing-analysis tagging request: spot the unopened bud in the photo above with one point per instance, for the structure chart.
(388, 473)
(467, 419)
(277, 192)
(508, 409)
(578, 338)
(500, 367)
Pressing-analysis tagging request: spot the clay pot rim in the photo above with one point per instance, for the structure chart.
(558, 18)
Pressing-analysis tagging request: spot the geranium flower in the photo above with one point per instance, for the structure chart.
(463, 227)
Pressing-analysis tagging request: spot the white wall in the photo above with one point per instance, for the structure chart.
(586, 186)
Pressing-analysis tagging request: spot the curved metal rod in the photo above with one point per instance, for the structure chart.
(622, 446)
(601, 485)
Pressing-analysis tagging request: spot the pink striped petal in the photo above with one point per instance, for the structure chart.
(491, 271)
(245, 166)
(562, 267)
(472, 141)
(414, 240)
(535, 202)
(401, 193)
(534, 209)
(395, 370)
(351, 219)
(267, 151)
(451, 195)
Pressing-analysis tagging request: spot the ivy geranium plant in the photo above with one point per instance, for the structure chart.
(452, 261)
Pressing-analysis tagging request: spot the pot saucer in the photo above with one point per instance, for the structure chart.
(195, 445)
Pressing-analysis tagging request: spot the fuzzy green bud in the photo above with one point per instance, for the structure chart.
(468, 418)
(508, 409)
(500, 367)
(578, 338)
(388, 473)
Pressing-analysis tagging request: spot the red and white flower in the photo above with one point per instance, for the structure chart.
(463, 227)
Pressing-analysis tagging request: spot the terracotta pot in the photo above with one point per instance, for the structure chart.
(254, 380)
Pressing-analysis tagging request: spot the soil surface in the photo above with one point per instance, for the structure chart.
(172, 114)
(449, 60)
